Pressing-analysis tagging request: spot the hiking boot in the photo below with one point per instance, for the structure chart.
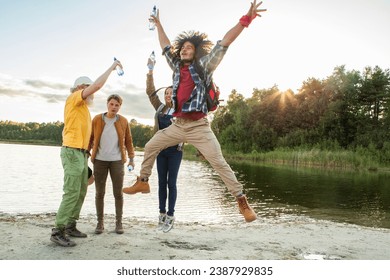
(245, 209)
(58, 236)
(99, 228)
(139, 186)
(119, 228)
(161, 220)
(73, 231)
(168, 224)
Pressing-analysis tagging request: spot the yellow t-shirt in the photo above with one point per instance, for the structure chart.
(77, 122)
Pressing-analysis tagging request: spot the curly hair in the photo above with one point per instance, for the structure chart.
(202, 45)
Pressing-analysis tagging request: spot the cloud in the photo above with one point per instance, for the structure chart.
(12, 92)
(53, 98)
(45, 84)
(12, 87)
(135, 105)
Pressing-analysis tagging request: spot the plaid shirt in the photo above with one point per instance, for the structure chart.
(196, 102)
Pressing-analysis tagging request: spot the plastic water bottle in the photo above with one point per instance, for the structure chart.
(152, 24)
(153, 58)
(119, 69)
(130, 168)
(151, 61)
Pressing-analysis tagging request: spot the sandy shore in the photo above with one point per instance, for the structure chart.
(26, 237)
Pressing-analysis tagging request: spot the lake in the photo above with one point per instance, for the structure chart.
(31, 179)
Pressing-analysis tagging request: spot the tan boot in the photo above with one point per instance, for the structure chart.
(99, 203)
(119, 227)
(138, 186)
(245, 209)
(99, 227)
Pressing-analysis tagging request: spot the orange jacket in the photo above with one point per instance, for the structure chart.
(124, 135)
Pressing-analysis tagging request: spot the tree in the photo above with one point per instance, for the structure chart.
(141, 134)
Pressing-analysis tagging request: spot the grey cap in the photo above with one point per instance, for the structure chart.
(82, 81)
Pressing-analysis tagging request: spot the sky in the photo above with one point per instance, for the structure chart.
(46, 44)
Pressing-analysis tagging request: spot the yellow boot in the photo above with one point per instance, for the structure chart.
(139, 186)
(245, 209)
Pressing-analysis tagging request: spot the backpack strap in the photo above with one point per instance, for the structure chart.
(157, 90)
(160, 108)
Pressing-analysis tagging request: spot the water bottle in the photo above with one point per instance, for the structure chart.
(119, 69)
(152, 24)
(152, 58)
(130, 168)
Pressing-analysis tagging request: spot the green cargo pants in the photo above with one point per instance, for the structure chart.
(75, 164)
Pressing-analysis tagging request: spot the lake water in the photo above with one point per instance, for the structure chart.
(361, 198)
(31, 180)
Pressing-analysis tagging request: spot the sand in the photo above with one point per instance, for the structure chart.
(26, 237)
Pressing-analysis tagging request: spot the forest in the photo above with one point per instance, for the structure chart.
(347, 111)
(51, 133)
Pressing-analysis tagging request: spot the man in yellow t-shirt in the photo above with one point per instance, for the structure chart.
(76, 134)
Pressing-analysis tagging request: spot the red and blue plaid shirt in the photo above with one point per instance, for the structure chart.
(196, 102)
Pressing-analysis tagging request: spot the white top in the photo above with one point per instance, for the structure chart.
(108, 146)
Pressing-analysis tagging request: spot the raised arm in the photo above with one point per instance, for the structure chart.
(150, 88)
(162, 36)
(99, 83)
(233, 33)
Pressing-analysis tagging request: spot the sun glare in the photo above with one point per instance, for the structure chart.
(284, 98)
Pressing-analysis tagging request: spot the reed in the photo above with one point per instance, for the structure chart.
(339, 159)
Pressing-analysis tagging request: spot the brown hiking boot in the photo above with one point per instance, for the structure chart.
(99, 228)
(119, 228)
(245, 209)
(139, 186)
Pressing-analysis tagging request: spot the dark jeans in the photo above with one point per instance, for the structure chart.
(117, 173)
(168, 164)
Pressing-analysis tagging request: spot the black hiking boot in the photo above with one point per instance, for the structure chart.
(71, 230)
(58, 236)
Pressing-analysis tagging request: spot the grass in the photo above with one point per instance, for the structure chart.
(324, 159)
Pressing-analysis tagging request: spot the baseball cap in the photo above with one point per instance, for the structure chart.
(82, 81)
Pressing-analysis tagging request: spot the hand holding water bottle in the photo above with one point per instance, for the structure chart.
(119, 68)
(151, 61)
(153, 14)
(130, 165)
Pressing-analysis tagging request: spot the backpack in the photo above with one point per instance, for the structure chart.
(212, 91)
(212, 96)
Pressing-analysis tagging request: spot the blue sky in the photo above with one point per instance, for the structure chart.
(45, 45)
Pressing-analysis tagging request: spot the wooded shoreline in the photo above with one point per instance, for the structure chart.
(313, 158)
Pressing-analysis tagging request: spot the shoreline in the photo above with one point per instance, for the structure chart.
(191, 154)
(26, 237)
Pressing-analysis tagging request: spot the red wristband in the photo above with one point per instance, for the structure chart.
(245, 21)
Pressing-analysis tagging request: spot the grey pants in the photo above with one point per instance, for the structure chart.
(199, 134)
